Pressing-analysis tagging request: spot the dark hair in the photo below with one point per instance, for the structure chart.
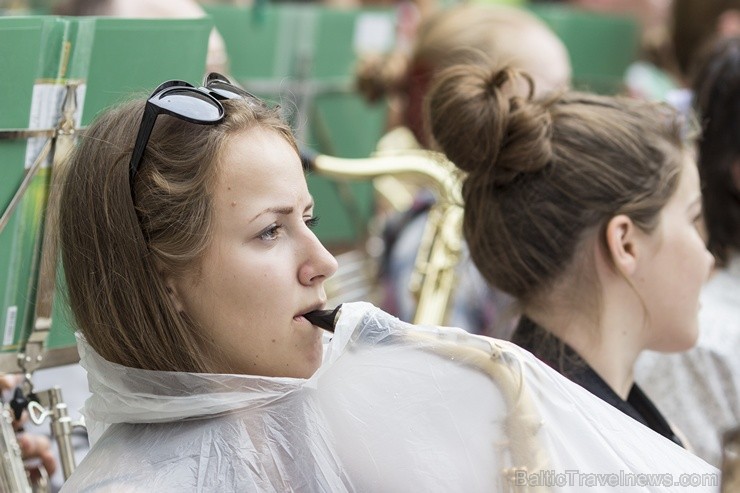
(543, 175)
(694, 24)
(114, 256)
(717, 100)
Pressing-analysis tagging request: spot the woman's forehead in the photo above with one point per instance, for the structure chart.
(261, 166)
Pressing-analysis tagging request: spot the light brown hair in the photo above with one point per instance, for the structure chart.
(543, 176)
(114, 256)
(514, 36)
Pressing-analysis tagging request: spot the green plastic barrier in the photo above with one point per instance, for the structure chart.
(304, 56)
(119, 57)
(30, 49)
(340, 122)
(258, 42)
(107, 59)
(601, 46)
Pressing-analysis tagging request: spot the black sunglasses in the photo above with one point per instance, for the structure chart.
(200, 105)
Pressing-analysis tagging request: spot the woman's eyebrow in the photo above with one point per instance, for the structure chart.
(277, 210)
(284, 210)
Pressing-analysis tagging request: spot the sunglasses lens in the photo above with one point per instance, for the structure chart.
(228, 91)
(225, 90)
(189, 104)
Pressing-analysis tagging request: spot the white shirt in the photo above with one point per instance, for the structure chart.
(699, 390)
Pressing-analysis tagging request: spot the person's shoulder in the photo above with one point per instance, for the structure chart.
(142, 457)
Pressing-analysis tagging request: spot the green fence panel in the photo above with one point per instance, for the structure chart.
(119, 57)
(601, 46)
(107, 59)
(340, 122)
(258, 41)
(304, 56)
(30, 50)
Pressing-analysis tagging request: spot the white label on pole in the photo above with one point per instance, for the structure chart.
(9, 332)
(46, 111)
(374, 33)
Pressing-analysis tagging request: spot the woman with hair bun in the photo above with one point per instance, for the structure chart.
(585, 209)
(510, 35)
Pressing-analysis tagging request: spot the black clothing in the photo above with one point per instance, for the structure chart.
(562, 358)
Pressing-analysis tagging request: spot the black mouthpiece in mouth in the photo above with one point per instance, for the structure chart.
(324, 318)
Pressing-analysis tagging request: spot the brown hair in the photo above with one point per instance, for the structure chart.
(114, 257)
(694, 24)
(543, 175)
(717, 100)
(515, 36)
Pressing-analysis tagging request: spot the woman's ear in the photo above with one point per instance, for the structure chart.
(171, 285)
(621, 244)
(172, 292)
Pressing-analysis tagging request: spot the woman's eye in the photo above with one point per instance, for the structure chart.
(312, 221)
(271, 233)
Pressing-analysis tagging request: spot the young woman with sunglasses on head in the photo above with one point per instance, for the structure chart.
(190, 264)
(585, 209)
(184, 241)
(192, 257)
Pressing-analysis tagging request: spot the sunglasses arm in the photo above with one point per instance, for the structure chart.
(145, 130)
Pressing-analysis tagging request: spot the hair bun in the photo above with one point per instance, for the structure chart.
(483, 123)
(377, 76)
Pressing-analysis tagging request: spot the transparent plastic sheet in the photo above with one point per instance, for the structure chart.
(394, 407)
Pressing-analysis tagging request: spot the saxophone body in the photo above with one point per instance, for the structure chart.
(13, 477)
(433, 280)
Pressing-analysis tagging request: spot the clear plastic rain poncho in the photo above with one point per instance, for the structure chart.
(393, 408)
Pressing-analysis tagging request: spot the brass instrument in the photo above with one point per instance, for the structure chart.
(13, 478)
(433, 281)
(522, 453)
(523, 421)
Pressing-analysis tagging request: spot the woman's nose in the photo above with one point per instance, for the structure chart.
(319, 265)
